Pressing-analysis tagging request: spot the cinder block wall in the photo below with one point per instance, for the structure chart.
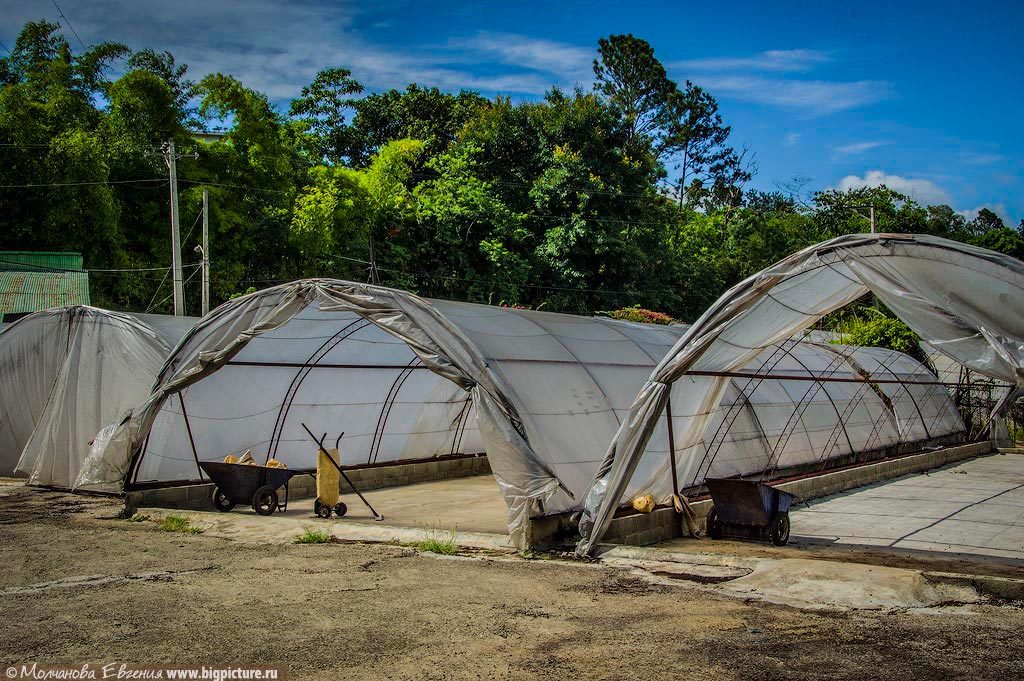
(199, 496)
(641, 529)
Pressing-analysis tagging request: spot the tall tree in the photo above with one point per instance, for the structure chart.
(696, 142)
(323, 108)
(637, 89)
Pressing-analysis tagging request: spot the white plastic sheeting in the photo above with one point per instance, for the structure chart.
(406, 378)
(64, 374)
(966, 302)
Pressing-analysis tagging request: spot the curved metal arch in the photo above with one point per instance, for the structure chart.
(293, 388)
(903, 386)
(711, 450)
(802, 405)
(385, 410)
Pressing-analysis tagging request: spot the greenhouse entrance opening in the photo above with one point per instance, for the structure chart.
(408, 437)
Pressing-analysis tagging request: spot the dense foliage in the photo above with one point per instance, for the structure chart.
(876, 327)
(628, 194)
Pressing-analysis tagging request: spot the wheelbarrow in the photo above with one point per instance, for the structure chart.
(256, 485)
(748, 509)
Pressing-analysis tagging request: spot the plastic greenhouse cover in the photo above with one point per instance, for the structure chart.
(964, 301)
(546, 392)
(66, 373)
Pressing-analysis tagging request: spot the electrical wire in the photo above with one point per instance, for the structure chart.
(157, 291)
(162, 180)
(68, 22)
(171, 295)
(47, 268)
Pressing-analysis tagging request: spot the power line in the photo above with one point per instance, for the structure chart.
(171, 294)
(68, 22)
(47, 268)
(150, 306)
(80, 184)
(6, 49)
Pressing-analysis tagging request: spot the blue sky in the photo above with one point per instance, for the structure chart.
(924, 96)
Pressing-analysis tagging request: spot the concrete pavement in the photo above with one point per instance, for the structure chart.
(975, 507)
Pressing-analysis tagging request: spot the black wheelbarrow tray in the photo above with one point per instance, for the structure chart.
(748, 509)
(244, 484)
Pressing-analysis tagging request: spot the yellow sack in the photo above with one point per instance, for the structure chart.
(328, 480)
(644, 504)
(230, 458)
(274, 463)
(247, 459)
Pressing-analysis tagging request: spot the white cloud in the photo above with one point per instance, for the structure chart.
(771, 60)
(278, 47)
(923, 191)
(998, 208)
(980, 159)
(813, 97)
(791, 138)
(856, 148)
(569, 62)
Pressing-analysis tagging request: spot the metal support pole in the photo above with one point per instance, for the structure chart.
(206, 252)
(671, 442)
(191, 440)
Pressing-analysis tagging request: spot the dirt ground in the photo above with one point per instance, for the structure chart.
(386, 612)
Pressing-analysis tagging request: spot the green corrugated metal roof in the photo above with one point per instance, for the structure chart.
(35, 261)
(31, 291)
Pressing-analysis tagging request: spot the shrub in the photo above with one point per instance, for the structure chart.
(880, 331)
(442, 542)
(639, 314)
(311, 536)
(178, 523)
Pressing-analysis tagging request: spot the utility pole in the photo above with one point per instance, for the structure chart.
(179, 298)
(870, 216)
(206, 251)
(170, 158)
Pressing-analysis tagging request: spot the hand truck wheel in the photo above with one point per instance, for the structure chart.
(340, 509)
(264, 501)
(322, 510)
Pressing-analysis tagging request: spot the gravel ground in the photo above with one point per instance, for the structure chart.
(80, 589)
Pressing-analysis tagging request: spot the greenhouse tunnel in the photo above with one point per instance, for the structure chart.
(541, 393)
(67, 372)
(965, 302)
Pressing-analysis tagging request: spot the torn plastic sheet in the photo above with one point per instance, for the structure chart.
(964, 301)
(439, 345)
(64, 374)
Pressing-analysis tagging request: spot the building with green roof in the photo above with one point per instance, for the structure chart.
(34, 280)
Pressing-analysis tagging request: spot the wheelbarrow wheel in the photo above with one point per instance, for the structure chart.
(221, 502)
(780, 529)
(714, 528)
(264, 501)
(321, 509)
(340, 509)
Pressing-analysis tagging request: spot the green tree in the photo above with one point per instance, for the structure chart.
(323, 109)
(637, 88)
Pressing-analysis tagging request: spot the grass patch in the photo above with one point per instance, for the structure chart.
(442, 542)
(138, 518)
(178, 523)
(311, 536)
